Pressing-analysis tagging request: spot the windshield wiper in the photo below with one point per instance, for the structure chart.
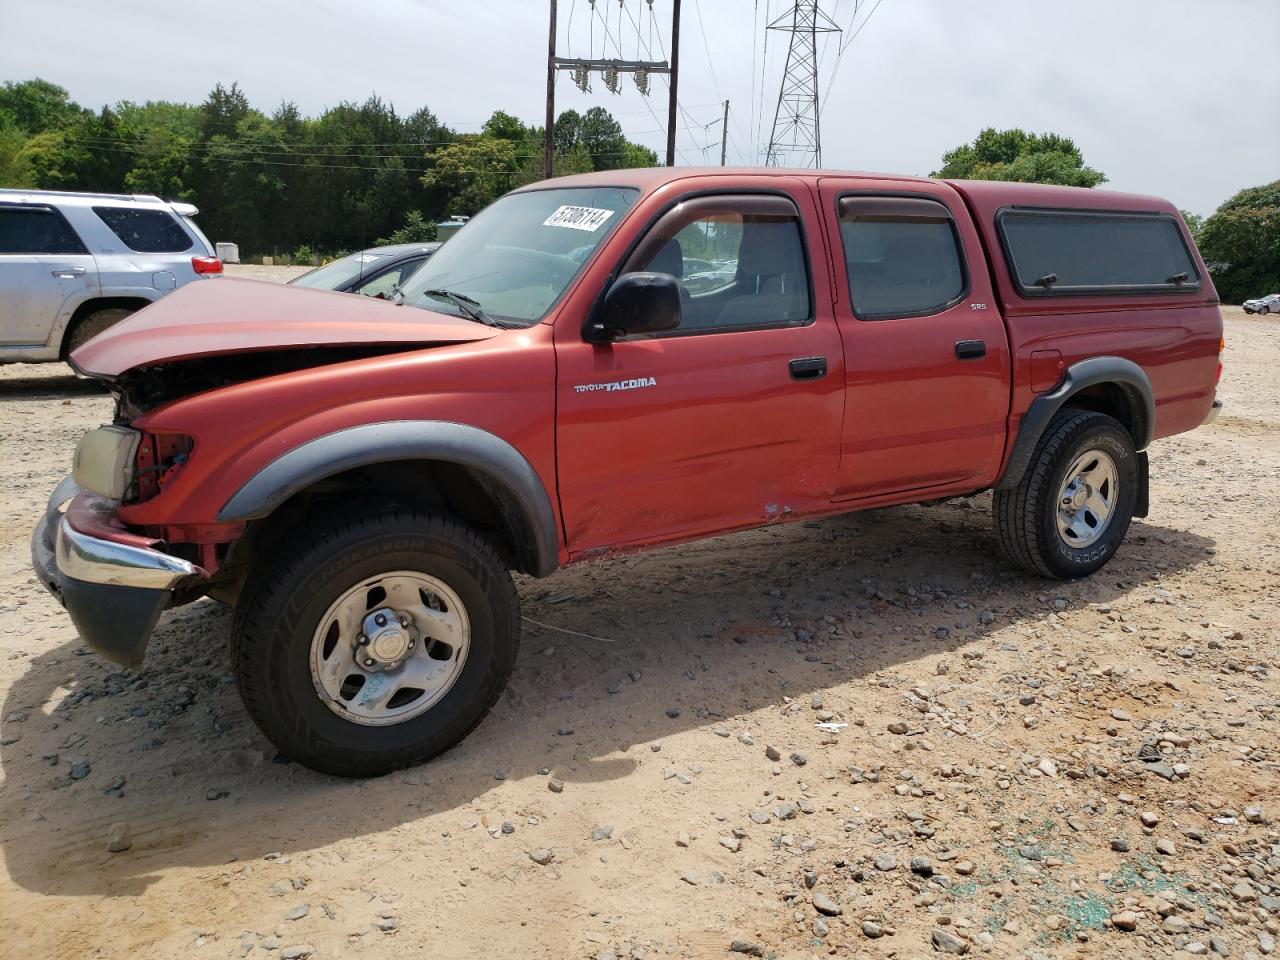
(470, 307)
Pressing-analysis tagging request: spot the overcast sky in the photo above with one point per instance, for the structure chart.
(1179, 98)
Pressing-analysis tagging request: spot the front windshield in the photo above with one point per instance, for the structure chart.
(518, 255)
(341, 271)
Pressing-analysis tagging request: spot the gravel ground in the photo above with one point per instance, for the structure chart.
(1011, 766)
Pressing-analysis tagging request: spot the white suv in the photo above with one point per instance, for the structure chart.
(72, 264)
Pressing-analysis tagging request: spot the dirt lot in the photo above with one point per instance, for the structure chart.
(1087, 769)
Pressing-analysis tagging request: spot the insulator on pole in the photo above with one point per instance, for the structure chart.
(641, 78)
(582, 79)
(610, 75)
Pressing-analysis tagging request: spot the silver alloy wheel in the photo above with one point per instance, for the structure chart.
(390, 648)
(1087, 498)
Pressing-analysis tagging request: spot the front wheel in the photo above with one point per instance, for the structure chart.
(372, 644)
(1069, 513)
(1264, 311)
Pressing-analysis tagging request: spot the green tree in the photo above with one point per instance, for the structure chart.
(36, 106)
(474, 172)
(1241, 244)
(160, 136)
(1018, 155)
(504, 126)
(415, 230)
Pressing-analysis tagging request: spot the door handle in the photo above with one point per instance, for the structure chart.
(808, 368)
(68, 273)
(971, 349)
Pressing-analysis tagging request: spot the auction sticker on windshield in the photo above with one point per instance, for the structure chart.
(578, 218)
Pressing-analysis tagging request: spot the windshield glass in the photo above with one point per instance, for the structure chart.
(516, 257)
(341, 271)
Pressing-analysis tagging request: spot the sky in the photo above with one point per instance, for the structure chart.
(1178, 98)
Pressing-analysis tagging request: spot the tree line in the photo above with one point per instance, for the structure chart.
(274, 183)
(361, 173)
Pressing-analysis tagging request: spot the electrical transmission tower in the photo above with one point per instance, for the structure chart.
(796, 139)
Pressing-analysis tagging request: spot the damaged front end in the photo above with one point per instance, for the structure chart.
(111, 546)
(114, 583)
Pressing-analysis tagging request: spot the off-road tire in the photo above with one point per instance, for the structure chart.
(92, 324)
(1026, 514)
(289, 590)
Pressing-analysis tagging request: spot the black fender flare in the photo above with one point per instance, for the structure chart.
(1085, 373)
(492, 457)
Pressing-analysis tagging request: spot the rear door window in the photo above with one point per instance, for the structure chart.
(1064, 252)
(903, 256)
(145, 231)
(36, 230)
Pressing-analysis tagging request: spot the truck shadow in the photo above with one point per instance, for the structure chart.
(711, 630)
(52, 382)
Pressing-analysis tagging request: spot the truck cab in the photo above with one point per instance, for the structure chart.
(608, 363)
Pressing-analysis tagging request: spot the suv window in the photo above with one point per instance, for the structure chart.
(145, 231)
(1056, 252)
(903, 256)
(26, 229)
(739, 260)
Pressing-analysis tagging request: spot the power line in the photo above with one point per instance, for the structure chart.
(335, 166)
(764, 57)
(755, 34)
(706, 46)
(649, 53)
(845, 45)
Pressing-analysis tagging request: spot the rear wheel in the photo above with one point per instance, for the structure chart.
(92, 324)
(1072, 508)
(376, 643)
(1264, 311)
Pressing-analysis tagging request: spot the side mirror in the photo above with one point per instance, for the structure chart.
(636, 303)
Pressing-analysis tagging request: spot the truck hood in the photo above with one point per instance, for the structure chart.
(217, 317)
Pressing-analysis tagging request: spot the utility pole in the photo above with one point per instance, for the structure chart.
(796, 135)
(724, 133)
(582, 68)
(675, 75)
(549, 139)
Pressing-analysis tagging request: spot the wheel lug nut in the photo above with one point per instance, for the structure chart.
(404, 620)
(411, 643)
(380, 620)
(362, 640)
(368, 663)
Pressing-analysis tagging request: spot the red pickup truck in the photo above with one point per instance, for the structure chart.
(601, 364)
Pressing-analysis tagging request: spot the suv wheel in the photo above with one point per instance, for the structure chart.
(1264, 311)
(92, 324)
(375, 643)
(1072, 508)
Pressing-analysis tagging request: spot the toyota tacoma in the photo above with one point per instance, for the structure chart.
(601, 364)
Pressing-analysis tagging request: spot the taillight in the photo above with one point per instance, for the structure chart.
(1222, 345)
(204, 265)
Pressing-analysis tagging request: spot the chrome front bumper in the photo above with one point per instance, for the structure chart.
(92, 560)
(114, 592)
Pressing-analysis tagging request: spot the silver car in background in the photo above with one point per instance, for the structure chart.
(73, 264)
(1263, 305)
